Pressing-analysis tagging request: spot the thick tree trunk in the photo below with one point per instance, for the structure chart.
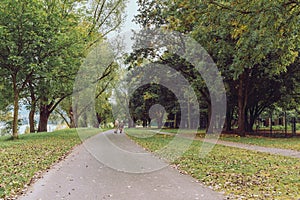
(82, 121)
(159, 119)
(31, 120)
(96, 124)
(159, 122)
(229, 114)
(144, 123)
(130, 123)
(72, 123)
(44, 116)
(97, 121)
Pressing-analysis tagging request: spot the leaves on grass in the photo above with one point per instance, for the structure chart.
(283, 143)
(24, 159)
(242, 174)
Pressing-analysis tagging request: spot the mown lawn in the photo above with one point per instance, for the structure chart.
(23, 159)
(239, 173)
(284, 143)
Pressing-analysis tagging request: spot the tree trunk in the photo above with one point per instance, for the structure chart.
(189, 114)
(159, 119)
(82, 121)
(72, 123)
(97, 121)
(242, 103)
(252, 118)
(16, 111)
(175, 120)
(229, 114)
(44, 116)
(209, 127)
(32, 108)
(144, 123)
(130, 122)
(159, 122)
(31, 120)
(149, 122)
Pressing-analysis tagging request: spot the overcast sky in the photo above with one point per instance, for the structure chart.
(131, 10)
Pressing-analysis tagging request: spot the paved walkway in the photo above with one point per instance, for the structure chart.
(276, 151)
(82, 176)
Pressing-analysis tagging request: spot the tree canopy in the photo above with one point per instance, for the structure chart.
(42, 47)
(254, 44)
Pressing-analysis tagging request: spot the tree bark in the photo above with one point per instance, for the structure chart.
(229, 115)
(16, 111)
(97, 121)
(242, 103)
(44, 116)
(31, 120)
(175, 120)
(84, 122)
(32, 110)
(189, 114)
(130, 122)
(144, 123)
(159, 119)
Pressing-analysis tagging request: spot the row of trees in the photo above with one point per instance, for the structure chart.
(42, 45)
(255, 45)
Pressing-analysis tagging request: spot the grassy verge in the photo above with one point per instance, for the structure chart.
(23, 159)
(284, 143)
(240, 173)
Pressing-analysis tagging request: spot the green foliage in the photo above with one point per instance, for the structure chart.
(42, 45)
(93, 86)
(254, 44)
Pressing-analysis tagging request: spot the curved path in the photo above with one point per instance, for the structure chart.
(271, 150)
(82, 176)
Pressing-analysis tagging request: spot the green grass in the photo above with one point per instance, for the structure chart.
(200, 133)
(31, 154)
(239, 173)
(284, 143)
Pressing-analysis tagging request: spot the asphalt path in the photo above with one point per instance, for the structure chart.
(111, 166)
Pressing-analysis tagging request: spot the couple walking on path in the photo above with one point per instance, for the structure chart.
(119, 126)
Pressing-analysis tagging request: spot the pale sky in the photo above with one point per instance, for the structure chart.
(131, 10)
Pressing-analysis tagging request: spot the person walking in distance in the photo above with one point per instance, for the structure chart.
(116, 126)
(121, 126)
